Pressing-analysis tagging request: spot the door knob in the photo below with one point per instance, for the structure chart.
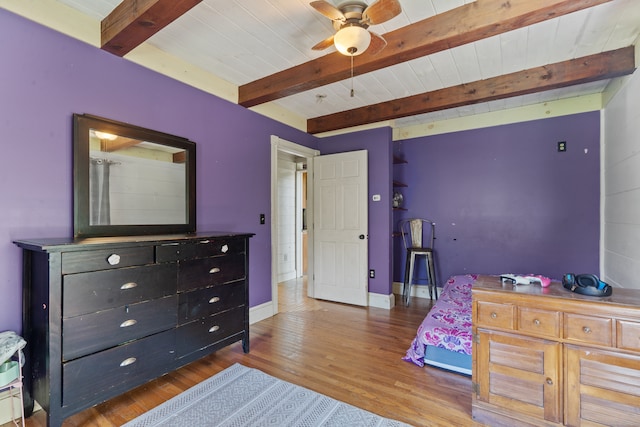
(361, 237)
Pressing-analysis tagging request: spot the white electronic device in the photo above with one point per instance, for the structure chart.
(516, 279)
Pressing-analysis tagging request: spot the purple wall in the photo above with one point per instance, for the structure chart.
(505, 200)
(517, 204)
(378, 144)
(45, 77)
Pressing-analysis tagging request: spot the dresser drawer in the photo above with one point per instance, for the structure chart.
(208, 331)
(206, 272)
(587, 329)
(202, 249)
(89, 333)
(205, 302)
(102, 259)
(99, 290)
(97, 377)
(539, 322)
(496, 315)
(628, 335)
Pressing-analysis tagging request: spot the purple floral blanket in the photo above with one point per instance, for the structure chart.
(448, 324)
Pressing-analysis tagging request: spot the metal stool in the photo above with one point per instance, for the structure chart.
(413, 235)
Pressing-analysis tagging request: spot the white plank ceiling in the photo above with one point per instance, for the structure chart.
(244, 40)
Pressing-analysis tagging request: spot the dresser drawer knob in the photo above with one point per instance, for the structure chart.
(214, 300)
(224, 249)
(127, 362)
(549, 381)
(494, 315)
(214, 270)
(114, 259)
(586, 330)
(536, 322)
(214, 328)
(128, 323)
(129, 285)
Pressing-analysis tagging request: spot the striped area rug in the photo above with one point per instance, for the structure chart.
(241, 397)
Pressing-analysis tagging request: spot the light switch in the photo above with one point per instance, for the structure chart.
(376, 198)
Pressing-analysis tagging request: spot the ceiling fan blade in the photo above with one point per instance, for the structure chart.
(381, 11)
(328, 42)
(328, 10)
(377, 43)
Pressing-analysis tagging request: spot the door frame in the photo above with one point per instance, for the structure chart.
(281, 145)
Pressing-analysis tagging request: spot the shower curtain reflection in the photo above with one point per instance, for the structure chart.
(100, 201)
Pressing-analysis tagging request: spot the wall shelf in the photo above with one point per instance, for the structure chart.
(398, 184)
(399, 161)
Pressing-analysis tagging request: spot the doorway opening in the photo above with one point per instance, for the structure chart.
(291, 213)
(292, 204)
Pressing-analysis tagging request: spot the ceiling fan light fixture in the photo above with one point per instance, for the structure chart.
(352, 40)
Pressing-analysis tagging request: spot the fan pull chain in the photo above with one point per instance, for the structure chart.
(352, 92)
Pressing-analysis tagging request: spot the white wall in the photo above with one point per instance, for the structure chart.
(621, 186)
(286, 217)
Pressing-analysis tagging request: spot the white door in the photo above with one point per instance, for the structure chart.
(341, 227)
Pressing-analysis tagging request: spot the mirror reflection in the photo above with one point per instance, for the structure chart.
(135, 182)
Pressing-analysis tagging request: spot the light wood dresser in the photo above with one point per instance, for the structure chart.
(105, 315)
(550, 357)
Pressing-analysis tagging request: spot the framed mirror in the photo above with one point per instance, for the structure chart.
(129, 180)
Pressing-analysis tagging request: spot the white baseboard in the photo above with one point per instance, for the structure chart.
(265, 310)
(417, 291)
(382, 300)
(260, 312)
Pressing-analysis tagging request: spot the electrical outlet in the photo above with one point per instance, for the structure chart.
(372, 274)
(562, 146)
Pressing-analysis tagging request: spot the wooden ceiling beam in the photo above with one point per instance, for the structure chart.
(466, 24)
(587, 69)
(134, 21)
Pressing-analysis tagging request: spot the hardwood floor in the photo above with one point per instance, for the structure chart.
(350, 353)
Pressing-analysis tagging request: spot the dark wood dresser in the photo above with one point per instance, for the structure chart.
(105, 315)
(550, 357)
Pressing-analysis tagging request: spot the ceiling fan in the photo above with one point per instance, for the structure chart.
(351, 20)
